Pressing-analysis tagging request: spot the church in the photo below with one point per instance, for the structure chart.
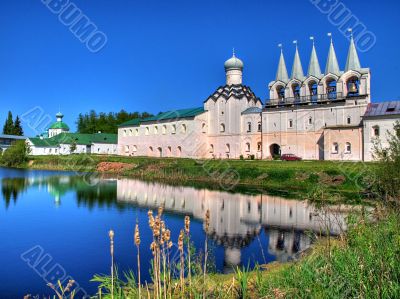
(317, 115)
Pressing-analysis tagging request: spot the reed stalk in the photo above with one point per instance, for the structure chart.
(137, 243)
(187, 230)
(207, 226)
(111, 235)
(182, 262)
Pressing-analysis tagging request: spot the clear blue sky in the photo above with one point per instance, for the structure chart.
(165, 55)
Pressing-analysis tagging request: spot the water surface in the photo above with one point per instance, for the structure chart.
(55, 224)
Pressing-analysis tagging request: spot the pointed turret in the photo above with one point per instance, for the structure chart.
(353, 62)
(332, 65)
(282, 74)
(314, 68)
(297, 69)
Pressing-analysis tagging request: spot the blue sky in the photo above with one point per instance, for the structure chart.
(164, 55)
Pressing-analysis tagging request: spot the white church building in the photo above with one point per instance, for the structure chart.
(315, 115)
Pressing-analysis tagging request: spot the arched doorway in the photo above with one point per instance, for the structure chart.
(275, 150)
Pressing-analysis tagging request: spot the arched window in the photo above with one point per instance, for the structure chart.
(313, 88)
(348, 120)
(126, 148)
(203, 128)
(211, 148)
(280, 90)
(247, 147)
(130, 132)
(124, 133)
(155, 130)
(173, 131)
(169, 150)
(147, 131)
(248, 127)
(259, 126)
(222, 128)
(164, 129)
(183, 128)
(179, 151)
(137, 132)
(331, 85)
(335, 148)
(227, 148)
(296, 90)
(134, 148)
(259, 146)
(376, 131)
(348, 148)
(353, 87)
(310, 120)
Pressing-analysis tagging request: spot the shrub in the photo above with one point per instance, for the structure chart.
(16, 155)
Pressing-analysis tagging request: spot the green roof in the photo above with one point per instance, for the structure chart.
(80, 139)
(59, 125)
(170, 115)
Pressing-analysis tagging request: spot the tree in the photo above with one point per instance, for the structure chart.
(72, 147)
(8, 128)
(387, 174)
(17, 130)
(16, 154)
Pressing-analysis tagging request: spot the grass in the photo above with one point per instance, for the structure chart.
(363, 263)
(295, 179)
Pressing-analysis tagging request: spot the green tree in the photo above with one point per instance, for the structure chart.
(16, 154)
(72, 147)
(17, 127)
(387, 174)
(8, 128)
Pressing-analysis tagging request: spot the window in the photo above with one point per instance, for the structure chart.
(348, 148)
(134, 148)
(348, 120)
(376, 131)
(147, 131)
(259, 126)
(259, 146)
(130, 132)
(164, 129)
(211, 148)
(126, 148)
(247, 147)
(173, 129)
(228, 148)
(248, 127)
(222, 128)
(137, 132)
(183, 128)
(310, 120)
(155, 130)
(203, 128)
(290, 123)
(335, 148)
(124, 133)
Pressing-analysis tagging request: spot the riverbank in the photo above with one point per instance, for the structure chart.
(297, 178)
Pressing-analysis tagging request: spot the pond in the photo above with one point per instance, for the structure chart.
(55, 225)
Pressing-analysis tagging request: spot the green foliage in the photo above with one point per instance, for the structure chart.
(12, 128)
(72, 147)
(387, 171)
(365, 266)
(17, 130)
(242, 277)
(16, 155)
(105, 122)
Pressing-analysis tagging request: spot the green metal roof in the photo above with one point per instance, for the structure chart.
(59, 125)
(80, 139)
(174, 114)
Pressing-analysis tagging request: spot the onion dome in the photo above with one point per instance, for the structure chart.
(233, 63)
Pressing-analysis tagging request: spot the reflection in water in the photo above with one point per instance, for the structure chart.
(236, 220)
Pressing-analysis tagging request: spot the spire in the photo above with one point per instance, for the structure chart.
(332, 65)
(313, 68)
(297, 70)
(282, 74)
(353, 62)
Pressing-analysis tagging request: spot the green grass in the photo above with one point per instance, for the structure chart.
(295, 179)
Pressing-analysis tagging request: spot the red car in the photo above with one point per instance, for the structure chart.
(290, 157)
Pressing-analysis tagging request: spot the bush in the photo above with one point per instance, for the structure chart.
(16, 155)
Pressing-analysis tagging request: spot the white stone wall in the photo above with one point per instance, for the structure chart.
(385, 125)
(176, 138)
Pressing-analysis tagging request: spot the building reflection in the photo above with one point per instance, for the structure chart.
(237, 219)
